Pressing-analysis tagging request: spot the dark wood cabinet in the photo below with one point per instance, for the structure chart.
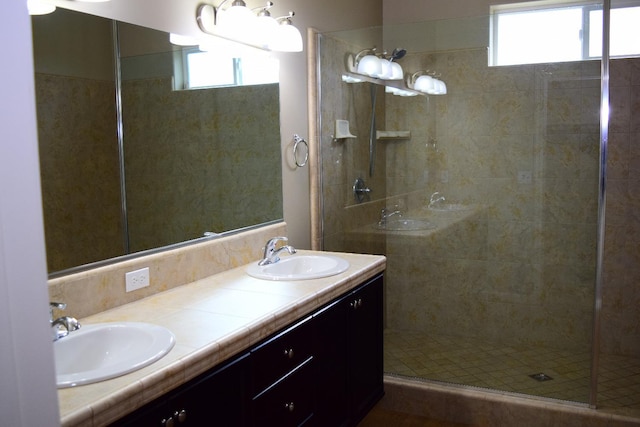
(324, 370)
(216, 397)
(365, 348)
(289, 402)
(350, 355)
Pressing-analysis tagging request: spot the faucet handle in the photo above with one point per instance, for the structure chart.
(58, 305)
(271, 243)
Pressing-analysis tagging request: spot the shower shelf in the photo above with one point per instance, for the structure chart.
(398, 84)
(393, 134)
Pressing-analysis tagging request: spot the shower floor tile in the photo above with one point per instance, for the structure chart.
(480, 364)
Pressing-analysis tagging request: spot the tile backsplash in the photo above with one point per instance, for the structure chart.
(100, 289)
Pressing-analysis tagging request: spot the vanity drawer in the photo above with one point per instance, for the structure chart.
(290, 401)
(281, 354)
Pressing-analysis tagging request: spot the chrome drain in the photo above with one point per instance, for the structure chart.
(541, 377)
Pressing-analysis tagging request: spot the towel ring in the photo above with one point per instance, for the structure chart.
(299, 140)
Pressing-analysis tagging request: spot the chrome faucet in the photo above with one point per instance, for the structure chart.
(61, 326)
(435, 198)
(385, 215)
(271, 253)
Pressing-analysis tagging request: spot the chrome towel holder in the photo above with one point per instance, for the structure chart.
(297, 141)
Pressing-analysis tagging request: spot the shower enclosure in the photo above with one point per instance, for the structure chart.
(494, 281)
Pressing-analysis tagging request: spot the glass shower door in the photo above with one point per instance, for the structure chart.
(498, 291)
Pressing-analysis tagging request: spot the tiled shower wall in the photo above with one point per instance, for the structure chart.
(198, 160)
(621, 296)
(78, 160)
(525, 273)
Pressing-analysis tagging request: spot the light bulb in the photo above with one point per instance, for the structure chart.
(386, 69)
(37, 7)
(237, 22)
(264, 30)
(442, 88)
(287, 38)
(370, 65)
(396, 71)
(180, 40)
(424, 84)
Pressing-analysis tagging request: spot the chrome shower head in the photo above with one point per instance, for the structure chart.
(397, 54)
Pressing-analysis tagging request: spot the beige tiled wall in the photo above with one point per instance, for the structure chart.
(527, 277)
(529, 259)
(78, 160)
(100, 289)
(198, 160)
(621, 290)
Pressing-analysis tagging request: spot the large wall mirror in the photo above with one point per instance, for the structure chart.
(132, 159)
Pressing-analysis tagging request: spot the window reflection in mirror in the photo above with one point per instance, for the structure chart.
(207, 69)
(194, 161)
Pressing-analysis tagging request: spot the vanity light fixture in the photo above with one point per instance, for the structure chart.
(180, 40)
(286, 38)
(399, 92)
(426, 82)
(396, 72)
(42, 7)
(369, 64)
(372, 64)
(265, 25)
(38, 7)
(239, 23)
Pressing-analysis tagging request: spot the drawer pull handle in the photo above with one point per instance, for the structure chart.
(355, 304)
(180, 416)
(167, 422)
(289, 406)
(289, 353)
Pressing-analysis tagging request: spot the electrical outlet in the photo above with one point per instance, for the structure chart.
(137, 279)
(444, 176)
(524, 177)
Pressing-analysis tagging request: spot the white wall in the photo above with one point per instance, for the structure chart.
(27, 394)
(407, 11)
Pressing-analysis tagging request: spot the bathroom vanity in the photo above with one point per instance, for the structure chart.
(271, 353)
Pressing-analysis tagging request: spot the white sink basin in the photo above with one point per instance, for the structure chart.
(448, 207)
(299, 267)
(107, 350)
(405, 225)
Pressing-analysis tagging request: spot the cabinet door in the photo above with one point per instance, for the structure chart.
(150, 415)
(331, 354)
(218, 398)
(290, 402)
(281, 354)
(365, 348)
(349, 355)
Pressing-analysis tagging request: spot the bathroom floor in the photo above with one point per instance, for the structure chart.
(481, 364)
(379, 417)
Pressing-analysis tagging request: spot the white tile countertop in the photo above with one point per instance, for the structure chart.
(213, 319)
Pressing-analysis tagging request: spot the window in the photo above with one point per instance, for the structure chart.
(554, 31)
(195, 69)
